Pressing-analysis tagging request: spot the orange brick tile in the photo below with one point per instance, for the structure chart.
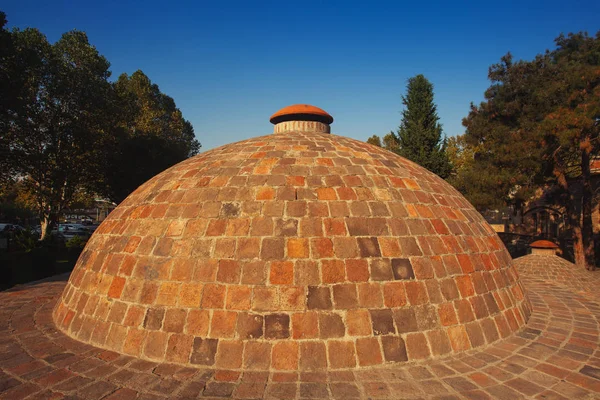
(216, 227)
(389, 247)
(265, 298)
(229, 271)
(394, 294)
(447, 314)
(322, 247)
(297, 248)
(132, 244)
(465, 263)
(370, 295)
(265, 193)
(213, 296)
(305, 325)
(116, 287)
(332, 271)
(197, 323)
(341, 354)
(237, 227)
(295, 180)
(179, 348)
(168, 293)
(458, 338)
(292, 298)
(134, 342)
(229, 354)
(223, 324)
(155, 345)
(238, 297)
(465, 285)
(190, 294)
(281, 273)
(224, 248)
(357, 270)
(134, 316)
(176, 228)
(368, 351)
(326, 194)
(334, 227)
(416, 293)
(183, 269)
(248, 248)
(285, 356)
(417, 347)
(358, 323)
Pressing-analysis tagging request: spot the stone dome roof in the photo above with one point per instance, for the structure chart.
(299, 250)
(557, 270)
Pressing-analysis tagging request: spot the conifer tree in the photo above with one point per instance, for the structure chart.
(420, 136)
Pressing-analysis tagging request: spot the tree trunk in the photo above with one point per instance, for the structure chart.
(587, 229)
(47, 222)
(578, 247)
(573, 213)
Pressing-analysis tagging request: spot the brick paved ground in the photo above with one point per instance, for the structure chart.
(555, 357)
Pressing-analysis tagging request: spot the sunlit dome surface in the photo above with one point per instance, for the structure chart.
(296, 250)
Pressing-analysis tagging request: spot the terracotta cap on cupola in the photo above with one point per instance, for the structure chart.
(543, 248)
(301, 118)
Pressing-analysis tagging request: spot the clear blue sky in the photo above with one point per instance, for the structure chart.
(229, 65)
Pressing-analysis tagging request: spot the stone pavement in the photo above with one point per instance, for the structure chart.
(556, 356)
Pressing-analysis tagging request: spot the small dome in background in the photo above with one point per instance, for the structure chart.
(548, 267)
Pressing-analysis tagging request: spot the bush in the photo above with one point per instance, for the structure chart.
(24, 241)
(47, 259)
(76, 242)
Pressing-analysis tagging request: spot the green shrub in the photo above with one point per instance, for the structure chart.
(24, 241)
(76, 242)
(47, 259)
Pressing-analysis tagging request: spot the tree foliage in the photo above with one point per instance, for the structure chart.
(50, 130)
(420, 136)
(538, 126)
(65, 129)
(150, 136)
(389, 142)
(374, 140)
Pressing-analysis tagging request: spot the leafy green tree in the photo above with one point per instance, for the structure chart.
(16, 202)
(461, 155)
(420, 136)
(57, 118)
(150, 136)
(67, 132)
(389, 142)
(374, 140)
(538, 126)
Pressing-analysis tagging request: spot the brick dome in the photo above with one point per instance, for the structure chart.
(299, 250)
(557, 270)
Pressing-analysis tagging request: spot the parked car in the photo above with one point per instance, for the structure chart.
(70, 227)
(8, 228)
(71, 233)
